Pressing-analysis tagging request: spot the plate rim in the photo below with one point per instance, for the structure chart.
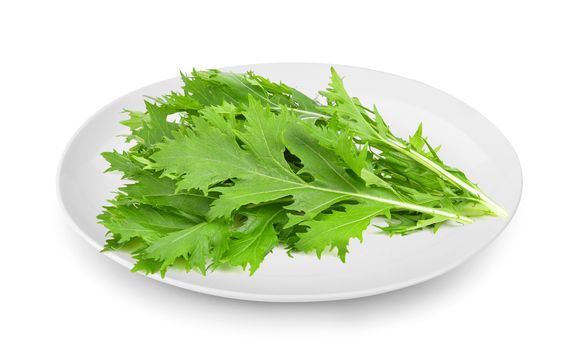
(315, 297)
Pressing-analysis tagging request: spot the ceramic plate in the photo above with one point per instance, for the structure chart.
(379, 264)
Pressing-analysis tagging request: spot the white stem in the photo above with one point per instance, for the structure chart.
(447, 175)
(400, 204)
(314, 115)
(495, 208)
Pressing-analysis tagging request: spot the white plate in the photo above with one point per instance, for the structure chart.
(379, 264)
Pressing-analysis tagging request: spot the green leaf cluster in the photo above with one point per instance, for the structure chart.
(234, 165)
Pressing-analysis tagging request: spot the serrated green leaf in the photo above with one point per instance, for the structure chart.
(195, 244)
(335, 229)
(256, 237)
(142, 221)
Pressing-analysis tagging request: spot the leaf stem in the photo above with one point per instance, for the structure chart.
(436, 168)
(313, 115)
(489, 203)
(405, 205)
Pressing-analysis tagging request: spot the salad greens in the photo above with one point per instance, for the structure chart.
(234, 165)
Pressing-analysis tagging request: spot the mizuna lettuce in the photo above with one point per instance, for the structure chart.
(235, 165)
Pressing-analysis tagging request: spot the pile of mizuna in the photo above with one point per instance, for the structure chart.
(234, 165)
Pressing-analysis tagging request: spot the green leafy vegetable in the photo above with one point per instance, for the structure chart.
(249, 165)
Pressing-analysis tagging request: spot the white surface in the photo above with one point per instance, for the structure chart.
(379, 264)
(522, 64)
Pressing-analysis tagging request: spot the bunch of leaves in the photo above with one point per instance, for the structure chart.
(234, 165)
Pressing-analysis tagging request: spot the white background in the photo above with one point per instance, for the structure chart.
(523, 64)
